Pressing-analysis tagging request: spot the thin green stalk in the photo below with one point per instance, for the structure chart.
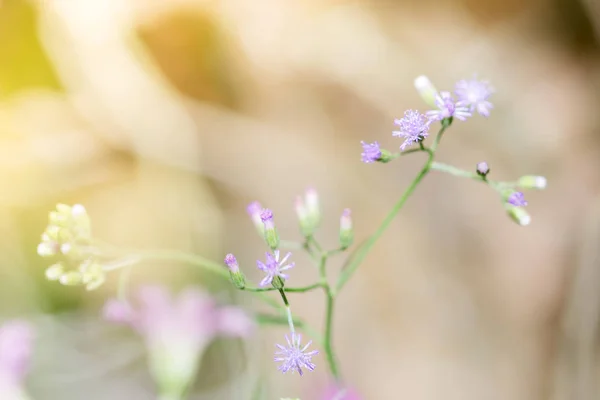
(362, 253)
(360, 256)
(331, 359)
(449, 169)
(302, 289)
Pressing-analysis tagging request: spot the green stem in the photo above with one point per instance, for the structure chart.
(331, 359)
(287, 289)
(360, 256)
(449, 169)
(362, 253)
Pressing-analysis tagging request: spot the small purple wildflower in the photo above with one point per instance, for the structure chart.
(483, 168)
(266, 216)
(293, 357)
(474, 94)
(517, 199)
(274, 267)
(414, 127)
(371, 152)
(448, 108)
(232, 263)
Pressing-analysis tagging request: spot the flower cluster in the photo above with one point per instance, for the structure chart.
(471, 95)
(177, 331)
(79, 260)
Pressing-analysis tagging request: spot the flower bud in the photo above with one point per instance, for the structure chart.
(519, 215)
(237, 278)
(47, 249)
(346, 231)
(71, 278)
(312, 207)
(278, 283)
(254, 210)
(306, 226)
(54, 272)
(426, 89)
(482, 169)
(271, 236)
(532, 182)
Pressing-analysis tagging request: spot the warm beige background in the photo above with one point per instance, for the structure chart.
(165, 118)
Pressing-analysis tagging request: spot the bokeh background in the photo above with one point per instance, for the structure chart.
(165, 118)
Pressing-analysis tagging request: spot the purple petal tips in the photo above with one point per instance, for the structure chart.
(517, 199)
(232, 263)
(254, 208)
(274, 267)
(266, 215)
(414, 127)
(371, 152)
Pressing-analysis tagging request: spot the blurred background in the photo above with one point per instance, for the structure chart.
(165, 118)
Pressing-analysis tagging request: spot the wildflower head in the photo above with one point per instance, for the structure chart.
(271, 236)
(254, 210)
(371, 152)
(274, 267)
(474, 94)
(414, 127)
(532, 182)
(294, 357)
(16, 343)
(237, 278)
(517, 199)
(346, 231)
(176, 331)
(482, 169)
(448, 108)
(426, 89)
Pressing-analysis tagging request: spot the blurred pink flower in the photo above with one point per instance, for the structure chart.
(177, 330)
(16, 342)
(335, 392)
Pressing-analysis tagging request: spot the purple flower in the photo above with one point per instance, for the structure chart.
(232, 263)
(371, 152)
(16, 342)
(266, 216)
(177, 330)
(482, 168)
(293, 357)
(414, 127)
(274, 267)
(517, 199)
(448, 108)
(474, 94)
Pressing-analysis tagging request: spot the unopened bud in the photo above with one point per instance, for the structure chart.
(519, 215)
(426, 89)
(71, 278)
(346, 231)
(482, 169)
(306, 226)
(47, 249)
(237, 278)
(54, 272)
(532, 182)
(254, 210)
(271, 236)
(312, 207)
